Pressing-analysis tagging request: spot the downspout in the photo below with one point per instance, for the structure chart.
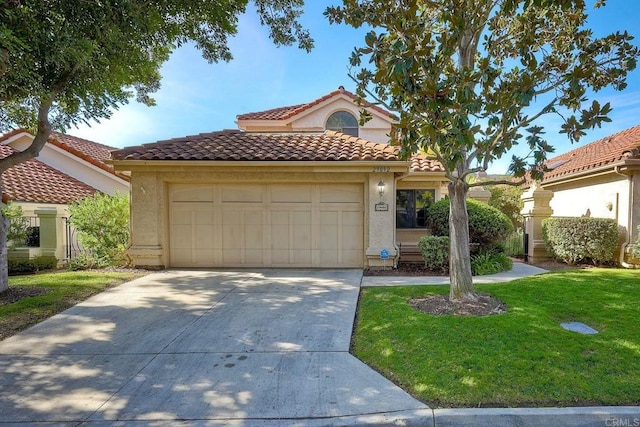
(626, 243)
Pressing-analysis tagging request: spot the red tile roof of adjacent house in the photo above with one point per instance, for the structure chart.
(234, 145)
(89, 151)
(33, 181)
(283, 113)
(603, 152)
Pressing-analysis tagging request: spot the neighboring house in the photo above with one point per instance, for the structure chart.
(67, 169)
(600, 179)
(299, 186)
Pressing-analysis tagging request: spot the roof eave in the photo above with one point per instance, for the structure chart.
(316, 166)
(584, 174)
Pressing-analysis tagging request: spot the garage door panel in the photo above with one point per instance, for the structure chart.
(290, 194)
(241, 193)
(268, 225)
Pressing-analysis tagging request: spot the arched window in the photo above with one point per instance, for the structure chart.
(343, 121)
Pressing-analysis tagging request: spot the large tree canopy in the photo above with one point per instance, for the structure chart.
(470, 79)
(68, 61)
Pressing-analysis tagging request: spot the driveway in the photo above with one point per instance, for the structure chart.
(245, 348)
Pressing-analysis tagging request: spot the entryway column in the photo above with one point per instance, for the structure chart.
(48, 230)
(536, 208)
(381, 251)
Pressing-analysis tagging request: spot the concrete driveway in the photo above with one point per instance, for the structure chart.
(246, 348)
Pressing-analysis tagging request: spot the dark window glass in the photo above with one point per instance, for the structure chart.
(343, 121)
(411, 207)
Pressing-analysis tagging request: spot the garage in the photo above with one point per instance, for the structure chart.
(266, 225)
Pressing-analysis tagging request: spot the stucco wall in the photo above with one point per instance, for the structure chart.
(375, 130)
(599, 197)
(149, 214)
(28, 210)
(315, 118)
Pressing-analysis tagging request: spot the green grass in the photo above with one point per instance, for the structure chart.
(66, 290)
(520, 358)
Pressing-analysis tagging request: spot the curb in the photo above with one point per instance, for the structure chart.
(595, 416)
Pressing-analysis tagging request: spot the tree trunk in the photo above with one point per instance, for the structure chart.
(4, 268)
(460, 257)
(40, 139)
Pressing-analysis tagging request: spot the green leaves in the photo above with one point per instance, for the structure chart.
(467, 78)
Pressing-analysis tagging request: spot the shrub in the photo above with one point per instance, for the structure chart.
(435, 251)
(488, 262)
(507, 199)
(487, 225)
(581, 239)
(102, 222)
(636, 246)
(18, 229)
(41, 263)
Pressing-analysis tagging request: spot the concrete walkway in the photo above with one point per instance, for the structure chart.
(261, 348)
(519, 270)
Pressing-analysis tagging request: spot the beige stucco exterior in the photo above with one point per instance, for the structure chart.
(612, 192)
(53, 233)
(151, 184)
(314, 119)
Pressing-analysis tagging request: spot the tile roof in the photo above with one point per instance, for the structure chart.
(603, 152)
(33, 181)
(283, 113)
(89, 151)
(234, 145)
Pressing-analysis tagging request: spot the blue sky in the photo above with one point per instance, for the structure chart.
(199, 97)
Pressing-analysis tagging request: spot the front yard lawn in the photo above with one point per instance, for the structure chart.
(522, 358)
(53, 293)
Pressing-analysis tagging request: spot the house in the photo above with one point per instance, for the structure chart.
(297, 186)
(67, 169)
(600, 179)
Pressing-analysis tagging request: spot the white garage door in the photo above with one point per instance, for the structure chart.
(271, 225)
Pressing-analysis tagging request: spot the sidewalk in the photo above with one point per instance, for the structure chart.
(518, 271)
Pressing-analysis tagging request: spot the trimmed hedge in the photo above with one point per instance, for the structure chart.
(23, 265)
(435, 251)
(487, 225)
(583, 239)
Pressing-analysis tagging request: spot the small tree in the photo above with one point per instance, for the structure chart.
(470, 79)
(506, 199)
(102, 222)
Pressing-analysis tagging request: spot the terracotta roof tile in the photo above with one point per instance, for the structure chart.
(284, 113)
(422, 163)
(89, 151)
(33, 181)
(603, 152)
(248, 146)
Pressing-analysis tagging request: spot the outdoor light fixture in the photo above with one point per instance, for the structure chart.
(381, 189)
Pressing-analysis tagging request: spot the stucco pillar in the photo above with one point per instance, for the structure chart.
(48, 230)
(536, 208)
(147, 207)
(381, 223)
(480, 194)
